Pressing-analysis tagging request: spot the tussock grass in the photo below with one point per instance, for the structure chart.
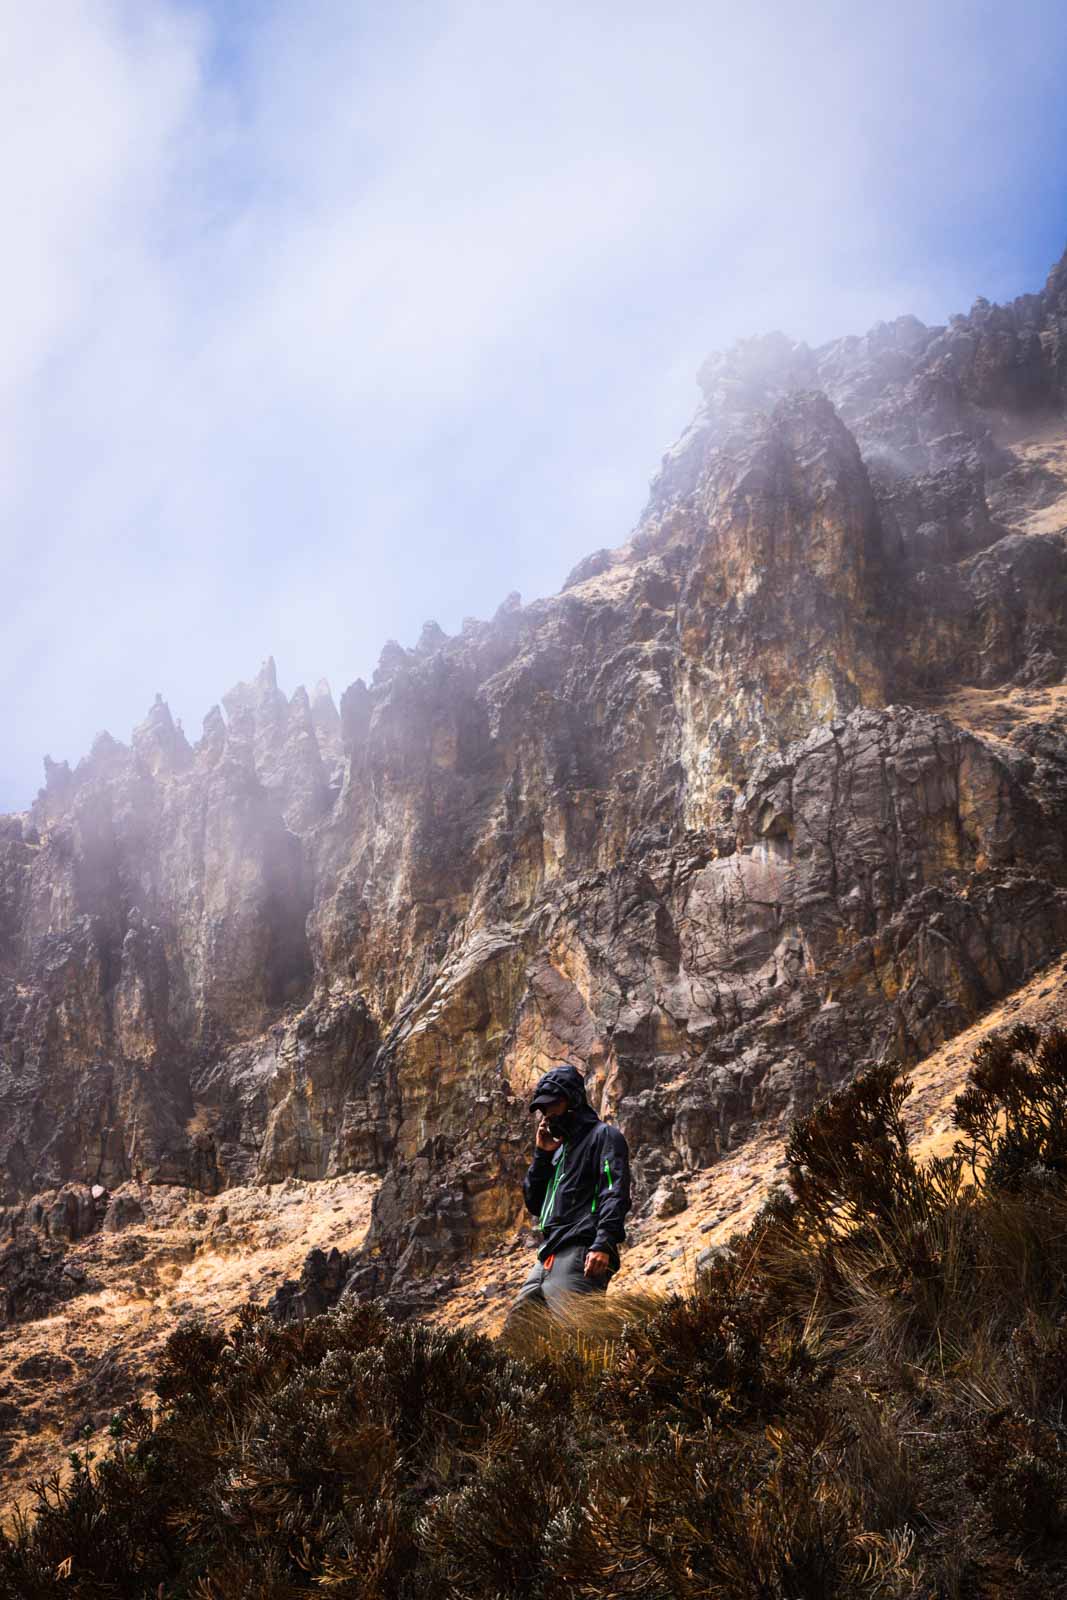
(865, 1394)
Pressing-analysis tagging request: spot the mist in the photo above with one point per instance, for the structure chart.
(321, 322)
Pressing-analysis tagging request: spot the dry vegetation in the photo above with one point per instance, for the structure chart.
(862, 1394)
(188, 1253)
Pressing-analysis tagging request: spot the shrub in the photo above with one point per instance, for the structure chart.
(862, 1395)
(1014, 1111)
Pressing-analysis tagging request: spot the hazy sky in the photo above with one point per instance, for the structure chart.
(324, 318)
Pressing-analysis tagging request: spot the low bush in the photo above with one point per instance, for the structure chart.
(863, 1395)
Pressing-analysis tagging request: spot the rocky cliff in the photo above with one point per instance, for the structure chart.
(773, 789)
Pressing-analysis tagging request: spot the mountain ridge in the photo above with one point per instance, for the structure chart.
(705, 822)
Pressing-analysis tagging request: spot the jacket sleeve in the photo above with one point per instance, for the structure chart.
(535, 1183)
(613, 1192)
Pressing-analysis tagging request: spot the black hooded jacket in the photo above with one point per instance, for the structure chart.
(580, 1193)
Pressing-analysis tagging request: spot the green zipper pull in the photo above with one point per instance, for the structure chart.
(611, 1183)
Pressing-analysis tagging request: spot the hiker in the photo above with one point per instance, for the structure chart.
(578, 1187)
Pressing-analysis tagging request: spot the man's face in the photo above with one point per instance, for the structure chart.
(555, 1108)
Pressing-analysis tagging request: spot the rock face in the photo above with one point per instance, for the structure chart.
(700, 823)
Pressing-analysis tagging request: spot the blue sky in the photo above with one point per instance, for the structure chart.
(327, 318)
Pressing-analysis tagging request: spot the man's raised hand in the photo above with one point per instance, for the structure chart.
(545, 1141)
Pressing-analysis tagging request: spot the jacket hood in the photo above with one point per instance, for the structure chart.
(567, 1080)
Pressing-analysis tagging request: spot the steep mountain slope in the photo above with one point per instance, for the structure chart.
(773, 790)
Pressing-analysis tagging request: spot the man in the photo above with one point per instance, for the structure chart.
(578, 1187)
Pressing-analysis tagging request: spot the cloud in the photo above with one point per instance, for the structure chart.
(323, 320)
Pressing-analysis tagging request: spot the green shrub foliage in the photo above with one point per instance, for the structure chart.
(863, 1395)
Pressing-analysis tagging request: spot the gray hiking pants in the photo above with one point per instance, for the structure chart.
(548, 1287)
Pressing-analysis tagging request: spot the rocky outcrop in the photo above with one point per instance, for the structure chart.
(695, 822)
(322, 1277)
(35, 1274)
